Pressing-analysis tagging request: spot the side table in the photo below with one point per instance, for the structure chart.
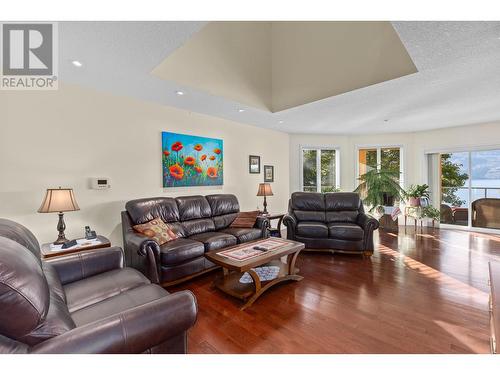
(274, 232)
(99, 243)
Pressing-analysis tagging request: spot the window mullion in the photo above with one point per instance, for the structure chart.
(318, 170)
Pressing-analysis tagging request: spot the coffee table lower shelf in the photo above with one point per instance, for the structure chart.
(229, 282)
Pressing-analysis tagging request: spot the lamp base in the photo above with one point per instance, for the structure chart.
(61, 226)
(265, 207)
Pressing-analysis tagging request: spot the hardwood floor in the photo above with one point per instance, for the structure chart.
(419, 293)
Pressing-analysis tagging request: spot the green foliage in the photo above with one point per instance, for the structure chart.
(329, 189)
(376, 185)
(431, 212)
(418, 191)
(451, 178)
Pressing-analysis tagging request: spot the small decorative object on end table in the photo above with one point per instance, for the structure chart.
(274, 232)
(59, 200)
(265, 191)
(241, 261)
(49, 250)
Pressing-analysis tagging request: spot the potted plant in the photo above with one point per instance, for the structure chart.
(415, 193)
(380, 188)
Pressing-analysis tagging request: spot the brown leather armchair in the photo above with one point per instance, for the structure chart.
(84, 303)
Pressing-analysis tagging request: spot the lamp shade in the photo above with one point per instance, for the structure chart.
(264, 190)
(59, 200)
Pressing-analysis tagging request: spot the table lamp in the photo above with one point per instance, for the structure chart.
(59, 200)
(265, 191)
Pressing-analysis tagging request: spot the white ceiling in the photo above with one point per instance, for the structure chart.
(458, 79)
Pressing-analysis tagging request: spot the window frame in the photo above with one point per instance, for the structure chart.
(318, 149)
(379, 147)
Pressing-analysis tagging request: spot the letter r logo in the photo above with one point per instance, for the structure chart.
(27, 49)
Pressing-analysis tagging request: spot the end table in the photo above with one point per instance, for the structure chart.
(274, 232)
(83, 245)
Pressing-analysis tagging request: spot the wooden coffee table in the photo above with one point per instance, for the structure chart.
(233, 270)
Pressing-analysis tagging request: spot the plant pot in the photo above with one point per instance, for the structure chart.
(414, 202)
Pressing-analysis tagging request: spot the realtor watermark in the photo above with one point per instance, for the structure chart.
(29, 56)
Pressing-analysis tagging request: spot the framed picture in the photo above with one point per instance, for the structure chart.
(189, 160)
(268, 173)
(254, 164)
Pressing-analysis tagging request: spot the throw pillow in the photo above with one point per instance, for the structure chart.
(245, 220)
(157, 230)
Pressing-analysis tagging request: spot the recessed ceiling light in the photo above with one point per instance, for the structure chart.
(281, 122)
(241, 110)
(77, 63)
(180, 93)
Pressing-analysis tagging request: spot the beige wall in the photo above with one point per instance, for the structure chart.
(415, 145)
(65, 137)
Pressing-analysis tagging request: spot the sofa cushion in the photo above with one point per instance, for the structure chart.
(196, 226)
(222, 204)
(143, 210)
(118, 303)
(345, 231)
(310, 215)
(343, 201)
(57, 321)
(193, 207)
(86, 292)
(180, 250)
(157, 230)
(20, 234)
(24, 292)
(308, 201)
(224, 221)
(342, 216)
(244, 234)
(312, 229)
(214, 240)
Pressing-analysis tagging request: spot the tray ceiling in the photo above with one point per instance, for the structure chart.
(279, 65)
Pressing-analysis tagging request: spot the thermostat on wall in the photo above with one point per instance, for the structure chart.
(100, 183)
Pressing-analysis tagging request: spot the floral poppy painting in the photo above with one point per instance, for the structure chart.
(189, 160)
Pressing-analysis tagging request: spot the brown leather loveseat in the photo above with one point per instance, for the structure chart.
(333, 221)
(204, 224)
(84, 303)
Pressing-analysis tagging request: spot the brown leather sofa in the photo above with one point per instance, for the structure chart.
(333, 221)
(204, 223)
(84, 303)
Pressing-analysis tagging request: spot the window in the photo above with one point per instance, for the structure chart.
(382, 158)
(319, 169)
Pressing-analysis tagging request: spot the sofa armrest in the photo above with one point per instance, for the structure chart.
(131, 331)
(87, 263)
(290, 221)
(136, 243)
(263, 224)
(367, 222)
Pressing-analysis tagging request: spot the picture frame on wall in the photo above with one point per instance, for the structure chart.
(254, 164)
(268, 173)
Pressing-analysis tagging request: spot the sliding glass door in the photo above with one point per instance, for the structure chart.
(455, 188)
(470, 188)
